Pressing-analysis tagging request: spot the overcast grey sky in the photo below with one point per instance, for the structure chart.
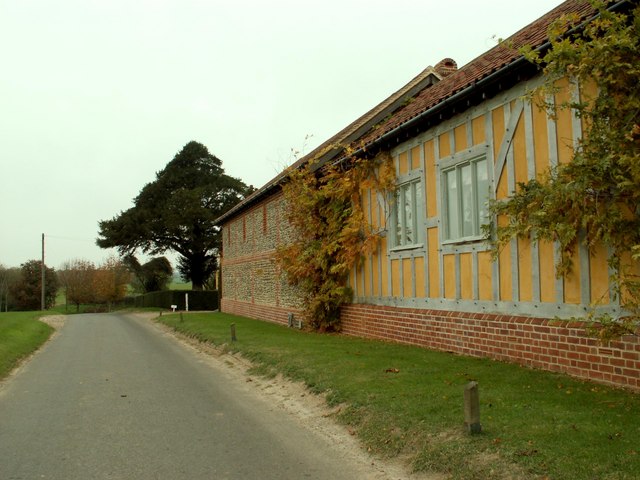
(98, 95)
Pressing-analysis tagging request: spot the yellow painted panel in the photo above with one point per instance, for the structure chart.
(506, 287)
(407, 275)
(547, 272)
(563, 122)
(449, 276)
(430, 172)
(497, 119)
(420, 277)
(375, 214)
(478, 130)
(540, 139)
(364, 195)
(599, 272)
(381, 206)
(485, 285)
(434, 263)
(460, 135)
(565, 141)
(572, 281)
(525, 270)
(466, 276)
(395, 278)
(415, 157)
(520, 153)
(445, 146)
(403, 161)
(375, 274)
(352, 280)
(385, 269)
(366, 271)
(631, 268)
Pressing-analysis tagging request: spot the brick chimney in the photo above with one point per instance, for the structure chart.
(446, 67)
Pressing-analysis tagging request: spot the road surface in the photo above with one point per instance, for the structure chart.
(111, 397)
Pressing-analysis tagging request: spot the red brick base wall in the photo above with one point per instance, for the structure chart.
(558, 346)
(260, 312)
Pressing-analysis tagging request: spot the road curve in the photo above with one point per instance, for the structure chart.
(112, 398)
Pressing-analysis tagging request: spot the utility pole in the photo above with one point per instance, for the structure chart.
(42, 273)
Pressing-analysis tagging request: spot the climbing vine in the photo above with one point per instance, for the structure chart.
(594, 198)
(332, 232)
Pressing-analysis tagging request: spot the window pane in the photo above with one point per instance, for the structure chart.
(467, 201)
(452, 205)
(408, 215)
(418, 209)
(482, 191)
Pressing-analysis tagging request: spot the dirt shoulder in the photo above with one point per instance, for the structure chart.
(54, 321)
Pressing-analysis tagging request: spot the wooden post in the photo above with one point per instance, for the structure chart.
(181, 319)
(472, 408)
(233, 332)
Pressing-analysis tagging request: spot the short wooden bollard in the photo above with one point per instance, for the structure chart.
(472, 408)
(181, 319)
(233, 332)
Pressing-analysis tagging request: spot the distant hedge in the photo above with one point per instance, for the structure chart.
(198, 299)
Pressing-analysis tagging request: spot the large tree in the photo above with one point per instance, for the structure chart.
(27, 291)
(176, 212)
(110, 281)
(77, 278)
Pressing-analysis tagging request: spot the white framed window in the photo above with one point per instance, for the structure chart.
(465, 187)
(406, 215)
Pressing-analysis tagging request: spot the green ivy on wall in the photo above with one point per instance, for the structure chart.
(594, 198)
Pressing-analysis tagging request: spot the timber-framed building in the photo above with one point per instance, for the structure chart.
(458, 136)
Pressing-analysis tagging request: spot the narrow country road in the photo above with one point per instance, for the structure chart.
(111, 397)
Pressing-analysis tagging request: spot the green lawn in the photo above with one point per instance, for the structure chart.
(407, 401)
(20, 334)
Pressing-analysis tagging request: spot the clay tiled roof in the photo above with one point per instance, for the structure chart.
(425, 97)
(494, 60)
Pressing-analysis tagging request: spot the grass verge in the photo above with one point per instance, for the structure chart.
(407, 401)
(180, 286)
(20, 334)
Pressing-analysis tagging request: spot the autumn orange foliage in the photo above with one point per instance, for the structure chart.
(332, 233)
